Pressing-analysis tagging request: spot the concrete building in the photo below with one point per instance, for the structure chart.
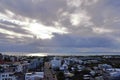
(64, 67)
(34, 63)
(34, 76)
(7, 76)
(99, 78)
(19, 68)
(55, 63)
(114, 73)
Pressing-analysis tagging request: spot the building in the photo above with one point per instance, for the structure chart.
(55, 63)
(64, 67)
(99, 78)
(34, 63)
(114, 73)
(34, 76)
(7, 76)
(104, 66)
(19, 68)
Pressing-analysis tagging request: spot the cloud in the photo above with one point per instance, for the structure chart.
(101, 30)
(80, 18)
(44, 32)
(32, 27)
(60, 23)
(59, 42)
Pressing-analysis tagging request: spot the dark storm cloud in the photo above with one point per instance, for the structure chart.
(77, 41)
(63, 41)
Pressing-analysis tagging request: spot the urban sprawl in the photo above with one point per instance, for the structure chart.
(101, 67)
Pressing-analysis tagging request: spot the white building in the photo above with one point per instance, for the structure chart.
(7, 76)
(104, 66)
(4, 66)
(114, 73)
(34, 76)
(64, 67)
(86, 77)
(55, 63)
(19, 68)
(99, 78)
(80, 67)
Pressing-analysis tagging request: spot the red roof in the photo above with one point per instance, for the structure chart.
(1, 62)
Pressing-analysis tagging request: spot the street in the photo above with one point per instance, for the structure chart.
(48, 73)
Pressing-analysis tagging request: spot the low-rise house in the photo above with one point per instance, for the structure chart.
(104, 66)
(64, 67)
(19, 68)
(99, 78)
(68, 74)
(92, 72)
(86, 77)
(80, 67)
(114, 73)
(7, 76)
(34, 76)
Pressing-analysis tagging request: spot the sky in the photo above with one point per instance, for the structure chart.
(59, 26)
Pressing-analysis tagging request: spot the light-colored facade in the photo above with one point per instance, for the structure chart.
(55, 63)
(7, 76)
(19, 68)
(34, 76)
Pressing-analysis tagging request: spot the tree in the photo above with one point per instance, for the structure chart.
(1, 56)
(60, 76)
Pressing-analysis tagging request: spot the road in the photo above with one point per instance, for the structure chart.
(48, 73)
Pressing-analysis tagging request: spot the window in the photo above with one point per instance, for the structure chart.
(9, 79)
(10, 74)
(3, 75)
